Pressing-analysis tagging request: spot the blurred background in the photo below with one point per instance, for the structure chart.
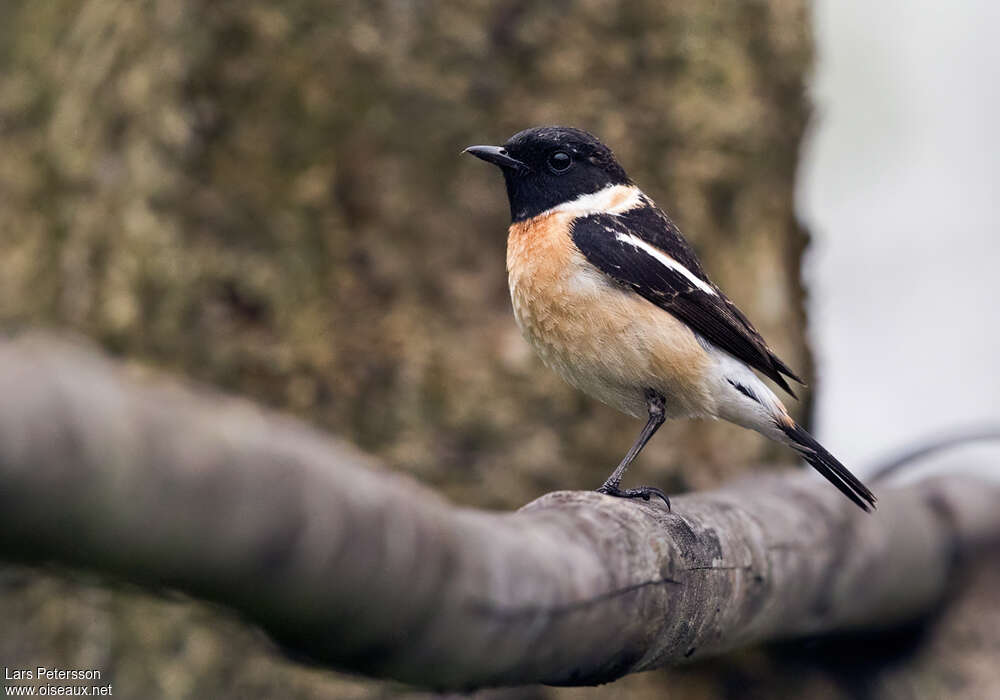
(900, 188)
(268, 197)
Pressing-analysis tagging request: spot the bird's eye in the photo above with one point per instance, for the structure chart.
(559, 162)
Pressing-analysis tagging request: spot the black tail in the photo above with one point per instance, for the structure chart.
(828, 465)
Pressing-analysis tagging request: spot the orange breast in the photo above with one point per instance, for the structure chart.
(603, 339)
(539, 251)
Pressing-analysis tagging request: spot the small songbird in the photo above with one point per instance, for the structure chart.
(614, 300)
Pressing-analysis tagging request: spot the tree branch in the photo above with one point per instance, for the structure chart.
(368, 571)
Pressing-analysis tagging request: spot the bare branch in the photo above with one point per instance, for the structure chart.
(366, 570)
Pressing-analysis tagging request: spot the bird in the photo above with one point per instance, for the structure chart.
(612, 297)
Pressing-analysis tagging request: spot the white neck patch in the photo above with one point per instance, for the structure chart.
(613, 199)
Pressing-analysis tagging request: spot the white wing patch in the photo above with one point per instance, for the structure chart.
(666, 261)
(613, 199)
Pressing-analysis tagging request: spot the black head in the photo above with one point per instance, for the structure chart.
(549, 165)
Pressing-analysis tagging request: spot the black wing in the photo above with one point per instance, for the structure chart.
(614, 244)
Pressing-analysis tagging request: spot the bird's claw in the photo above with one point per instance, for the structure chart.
(643, 492)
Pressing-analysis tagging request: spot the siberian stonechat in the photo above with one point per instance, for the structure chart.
(613, 298)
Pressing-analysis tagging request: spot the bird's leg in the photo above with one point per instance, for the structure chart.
(611, 487)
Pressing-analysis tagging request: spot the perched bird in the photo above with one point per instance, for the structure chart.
(614, 300)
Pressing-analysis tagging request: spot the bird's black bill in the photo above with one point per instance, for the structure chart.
(497, 155)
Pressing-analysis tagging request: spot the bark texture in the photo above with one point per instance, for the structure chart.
(370, 572)
(268, 197)
(271, 198)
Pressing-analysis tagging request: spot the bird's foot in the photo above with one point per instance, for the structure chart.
(643, 492)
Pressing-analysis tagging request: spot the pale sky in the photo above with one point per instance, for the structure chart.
(900, 186)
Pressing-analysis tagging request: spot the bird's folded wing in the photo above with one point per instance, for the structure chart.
(641, 249)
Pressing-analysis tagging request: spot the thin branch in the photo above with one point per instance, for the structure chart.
(891, 465)
(366, 570)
